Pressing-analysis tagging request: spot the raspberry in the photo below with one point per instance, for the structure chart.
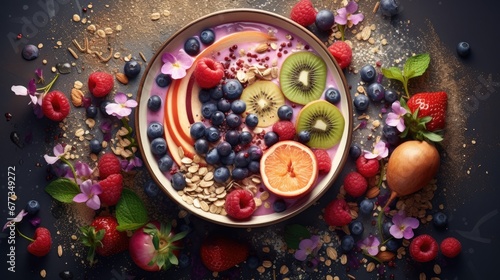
(285, 130)
(42, 242)
(303, 13)
(355, 184)
(108, 164)
(208, 73)
(324, 160)
(450, 247)
(337, 213)
(239, 204)
(55, 106)
(112, 188)
(367, 167)
(342, 53)
(100, 83)
(424, 248)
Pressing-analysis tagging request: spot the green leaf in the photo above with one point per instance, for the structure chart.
(393, 73)
(62, 190)
(416, 65)
(294, 234)
(434, 137)
(130, 211)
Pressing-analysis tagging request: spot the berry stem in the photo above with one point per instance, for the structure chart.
(24, 236)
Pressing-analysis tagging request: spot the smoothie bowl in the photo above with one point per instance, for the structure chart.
(244, 118)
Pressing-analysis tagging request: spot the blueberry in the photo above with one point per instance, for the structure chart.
(204, 95)
(439, 219)
(252, 120)
(184, 260)
(178, 181)
(254, 153)
(91, 111)
(325, 20)
(224, 148)
(165, 163)
(238, 106)
(463, 49)
(66, 275)
(95, 146)
(304, 136)
(347, 243)
(392, 245)
(242, 159)
(131, 69)
(229, 159)
(207, 36)
(154, 103)
(32, 207)
(389, 7)
(155, 130)
(159, 146)
(254, 166)
(102, 107)
(368, 73)
(212, 157)
(385, 228)
(391, 134)
(197, 130)
(232, 137)
(233, 120)
(355, 151)
(223, 105)
(376, 92)
(218, 118)
(151, 189)
(201, 146)
(366, 206)
(270, 138)
(207, 109)
(163, 80)
(285, 112)
(391, 96)
(232, 89)
(216, 93)
(221, 174)
(30, 52)
(356, 228)
(240, 173)
(212, 134)
(246, 138)
(192, 46)
(361, 102)
(253, 262)
(332, 95)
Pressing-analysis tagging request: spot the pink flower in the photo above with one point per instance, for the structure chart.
(380, 151)
(29, 91)
(176, 66)
(17, 219)
(369, 245)
(83, 172)
(403, 226)
(122, 107)
(347, 16)
(396, 117)
(90, 194)
(59, 152)
(307, 247)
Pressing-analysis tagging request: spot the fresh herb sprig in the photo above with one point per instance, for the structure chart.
(414, 66)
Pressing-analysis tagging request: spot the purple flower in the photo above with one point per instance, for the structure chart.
(59, 152)
(380, 151)
(35, 221)
(29, 91)
(403, 226)
(347, 16)
(396, 117)
(307, 247)
(128, 165)
(83, 172)
(89, 195)
(369, 245)
(17, 219)
(122, 107)
(176, 66)
(39, 74)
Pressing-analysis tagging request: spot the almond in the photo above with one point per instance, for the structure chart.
(76, 97)
(262, 48)
(372, 192)
(122, 78)
(385, 256)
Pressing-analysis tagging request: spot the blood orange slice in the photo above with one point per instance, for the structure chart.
(289, 169)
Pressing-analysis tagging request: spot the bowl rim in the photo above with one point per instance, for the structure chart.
(343, 81)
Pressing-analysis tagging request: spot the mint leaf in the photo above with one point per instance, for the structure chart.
(62, 190)
(416, 65)
(294, 234)
(130, 211)
(393, 73)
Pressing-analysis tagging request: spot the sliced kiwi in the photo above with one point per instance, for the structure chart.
(263, 98)
(324, 121)
(303, 77)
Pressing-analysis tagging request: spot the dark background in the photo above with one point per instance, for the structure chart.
(468, 186)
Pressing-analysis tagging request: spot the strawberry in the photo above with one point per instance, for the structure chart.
(342, 53)
(112, 188)
(108, 164)
(285, 130)
(42, 242)
(55, 106)
(337, 213)
(430, 104)
(324, 161)
(219, 253)
(303, 13)
(423, 248)
(450, 247)
(103, 238)
(100, 83)
(367, 167)
(240, 204)
(355, 184)
(208, 72)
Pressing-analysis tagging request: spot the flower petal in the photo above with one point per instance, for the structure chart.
(411, 222)
(177, 73)
(19, 90)
(351, 7)
(306, 244)
(82, 169)
(86, 187)
(50, 159)
(131, 103)
(168, 57)
(96, 189)
(396, 232)
(80, 198)
(32, 87)
(184, 59)
(408, 233)
(58, 150)
(120, 98)
(112, 108)
(341, 17)
(401, 125)
(94, 202)
(300, 255)
(356, 18)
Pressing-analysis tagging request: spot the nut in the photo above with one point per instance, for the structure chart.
(122, 78)
(76, 97)
(372, 192)
(262, 48)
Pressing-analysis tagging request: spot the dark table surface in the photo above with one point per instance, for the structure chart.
(467, 181)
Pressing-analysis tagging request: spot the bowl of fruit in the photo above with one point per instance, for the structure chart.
(244, 118)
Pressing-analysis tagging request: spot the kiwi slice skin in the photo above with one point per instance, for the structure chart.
(303, 77)
(325, 123)
(263, 98)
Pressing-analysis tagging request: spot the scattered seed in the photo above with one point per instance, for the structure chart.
(284, 269)
(101, 33)
(155, 16)
(370, 267)
(76, 18)
(43, 273)
(267, 264)
(59, 250)
(437, 269)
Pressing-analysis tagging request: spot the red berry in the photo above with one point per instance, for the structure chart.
(337, 213)
(240, 204)
(112, 188)
(219, 253)
(355, 184)
(342, 53)
(430, 104)
(100, 83)
(450, 247)
(113, 241)
(303, 13)
(208, 72)
(424, 248)
(324, 160)
(367, 167)
(108, 164)
(42, 242)
(285, 130)
(55, 106)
